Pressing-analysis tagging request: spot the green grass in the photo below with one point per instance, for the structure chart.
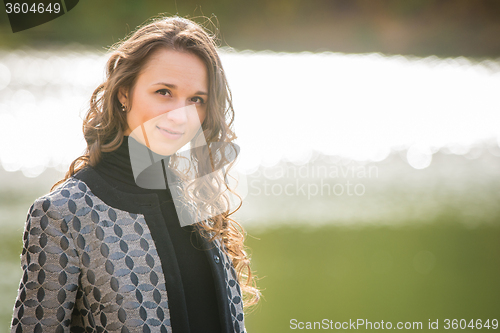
(375, 273)
(10, 270)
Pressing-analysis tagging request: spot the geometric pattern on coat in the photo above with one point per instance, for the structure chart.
(89, 267)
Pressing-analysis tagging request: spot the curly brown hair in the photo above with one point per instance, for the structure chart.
(105, 124)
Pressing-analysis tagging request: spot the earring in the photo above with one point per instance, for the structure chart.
(124, 108)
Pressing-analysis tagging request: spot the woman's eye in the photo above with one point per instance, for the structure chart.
(163, 92)
(198, 100)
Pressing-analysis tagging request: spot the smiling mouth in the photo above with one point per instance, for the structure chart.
(169, 131)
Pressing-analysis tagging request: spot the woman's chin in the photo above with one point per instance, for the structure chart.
(156, 142)
(162, 145)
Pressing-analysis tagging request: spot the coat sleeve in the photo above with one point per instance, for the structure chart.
(50, 265)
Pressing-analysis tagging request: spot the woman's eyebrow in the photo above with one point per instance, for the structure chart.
(173, 86)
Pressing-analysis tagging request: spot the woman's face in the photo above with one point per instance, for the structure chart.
(169, 101)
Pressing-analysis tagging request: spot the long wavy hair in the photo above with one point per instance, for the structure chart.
(105, 124)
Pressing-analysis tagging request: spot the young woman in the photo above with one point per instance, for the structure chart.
(138, 237)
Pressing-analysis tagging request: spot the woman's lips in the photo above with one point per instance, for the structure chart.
(170, 134)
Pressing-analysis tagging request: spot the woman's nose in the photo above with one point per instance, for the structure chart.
(178, 114)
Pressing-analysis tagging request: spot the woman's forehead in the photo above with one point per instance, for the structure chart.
(182, 67)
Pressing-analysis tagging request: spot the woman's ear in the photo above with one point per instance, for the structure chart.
(123, 96)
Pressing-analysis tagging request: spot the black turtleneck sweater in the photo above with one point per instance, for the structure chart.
(116, 169)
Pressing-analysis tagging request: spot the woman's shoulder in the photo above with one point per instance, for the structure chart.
(64, 197)
(71, 188)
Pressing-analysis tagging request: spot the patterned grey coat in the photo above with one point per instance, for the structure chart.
(92, 266)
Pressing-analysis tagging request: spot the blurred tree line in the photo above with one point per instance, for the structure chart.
(418, 27)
